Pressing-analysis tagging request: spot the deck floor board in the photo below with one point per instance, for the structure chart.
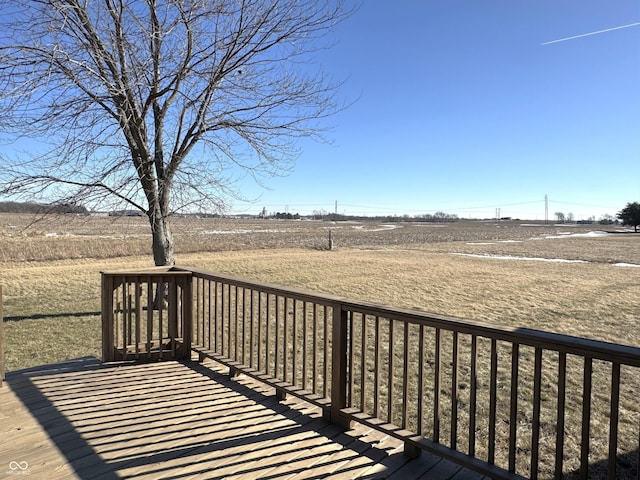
(87, 420)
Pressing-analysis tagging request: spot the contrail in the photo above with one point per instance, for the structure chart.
(591, 33)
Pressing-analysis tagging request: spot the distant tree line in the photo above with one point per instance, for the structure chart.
(438, 217)
(605, 219)
(39, 208)
(286, 216)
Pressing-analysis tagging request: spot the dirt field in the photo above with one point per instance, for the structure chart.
(24, 238)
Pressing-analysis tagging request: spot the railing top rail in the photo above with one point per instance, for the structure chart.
(321, 298)
(148, 271)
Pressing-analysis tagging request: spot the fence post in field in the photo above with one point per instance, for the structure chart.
(107, 317)
(339, 366)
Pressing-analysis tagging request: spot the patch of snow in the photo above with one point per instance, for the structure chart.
(511, 257)
(597, 233)
(242, 231)
(481, 243)
(381, 228)
(626, 265)
(509, 241)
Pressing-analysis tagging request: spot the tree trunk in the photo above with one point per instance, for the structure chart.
(162, 239)
(162, 253)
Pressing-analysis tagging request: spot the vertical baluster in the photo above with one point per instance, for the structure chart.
(314, 373)
(350, 379)
(363, 363)
(199, 308)
(562, 385)
(160, 304)
(277, 346)
(149, 317)
(251, 329)
(294, 334)
(259, 331)
(125, 317)
(586, 418)
(223, 307)
(236, 323)
(244, 325)
(305, 350)
(535, 424)
(216, 310)
(405, 376)
(285, 360)
(513, 418)
(209, 330)
(267, 334)
(376, 369)
(436, 388)
(138, 315)
(326, 353)
(492, 402)
(390, 402)
(172, 314)
(473, 395)
(454, 392)
(613, 421)
(421, 363)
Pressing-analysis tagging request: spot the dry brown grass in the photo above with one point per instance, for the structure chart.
(51, 283)
(413, 266)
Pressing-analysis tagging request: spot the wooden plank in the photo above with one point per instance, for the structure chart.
(170, 419)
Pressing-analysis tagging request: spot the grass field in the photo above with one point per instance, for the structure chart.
(572, 279)
(561, 278)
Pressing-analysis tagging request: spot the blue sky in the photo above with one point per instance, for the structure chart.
(459, 108)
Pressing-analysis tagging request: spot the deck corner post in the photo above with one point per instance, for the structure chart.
(107, 317)
(339, 361)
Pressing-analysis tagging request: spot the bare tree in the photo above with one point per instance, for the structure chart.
(158, 105)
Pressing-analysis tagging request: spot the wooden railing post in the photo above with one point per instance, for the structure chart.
(187, 316)
(339, 366)
(1, 341)
(107, 318)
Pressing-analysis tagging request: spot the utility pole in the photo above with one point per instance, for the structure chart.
(546, 209)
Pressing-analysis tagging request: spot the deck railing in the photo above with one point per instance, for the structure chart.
(505, 402)
(146, 315)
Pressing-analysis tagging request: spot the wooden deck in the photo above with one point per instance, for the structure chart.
(84, 419)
